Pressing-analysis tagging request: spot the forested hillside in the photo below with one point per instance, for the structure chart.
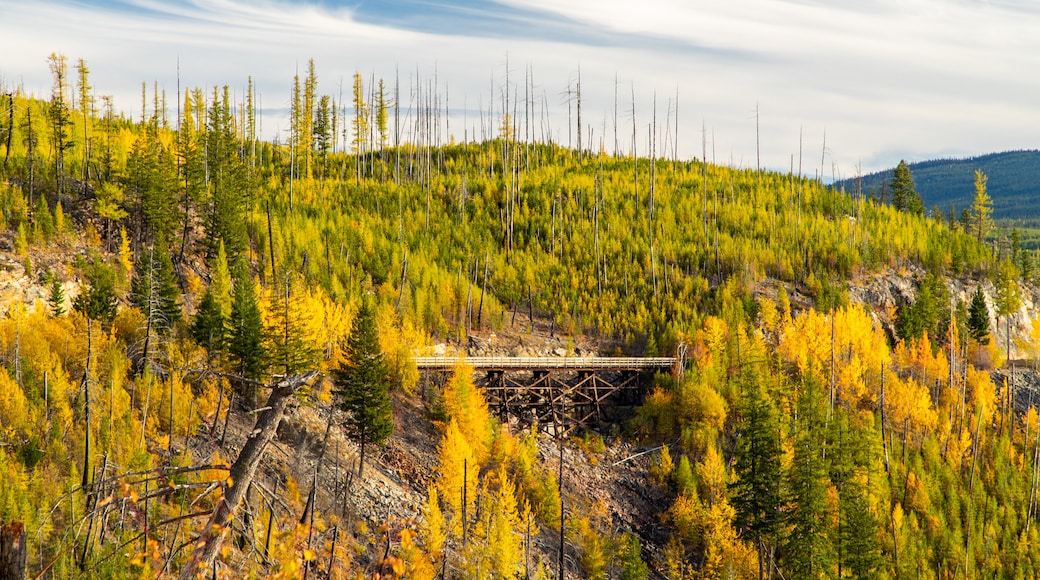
(948, 183)
(184, 275)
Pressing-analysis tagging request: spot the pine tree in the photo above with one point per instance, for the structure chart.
(153, 181)
(56, 298)
(323, 132)
(246, 333)
(808, 551)
(856, 539)
(978, 317)
(755, 494)
(904, 193)
(228, 180)
(59, 116)
(363, 384)
(221, 281)
(191, 156)
(208, 328)
(98, 301)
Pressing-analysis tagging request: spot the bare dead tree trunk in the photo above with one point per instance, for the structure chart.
(242, 473)
(483, 290)
(12, 551)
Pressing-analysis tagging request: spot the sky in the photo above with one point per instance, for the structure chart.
(847, 86)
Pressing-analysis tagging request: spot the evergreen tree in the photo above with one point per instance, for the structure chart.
(220, 283)
(363, 384)
(978, 317)
(56, 298)
(98, 301)
(808, 551)
(228, 180)
(904, 192)
(208, 328)
(245, 333)
(154, 287)
(323, 132)
(856, 539)
(191, 156)
(60, 117)
(755, 493)
(153, 181)
(930, 312)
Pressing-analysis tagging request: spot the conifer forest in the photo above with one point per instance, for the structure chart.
(208, 340)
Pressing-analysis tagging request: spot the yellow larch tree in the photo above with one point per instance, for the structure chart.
(457, 474)
(465, 404)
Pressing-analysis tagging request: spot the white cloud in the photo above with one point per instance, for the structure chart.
(884, 78)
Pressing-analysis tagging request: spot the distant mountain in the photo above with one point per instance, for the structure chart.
(1014, 183)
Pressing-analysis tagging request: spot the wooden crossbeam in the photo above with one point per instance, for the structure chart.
(559, 398)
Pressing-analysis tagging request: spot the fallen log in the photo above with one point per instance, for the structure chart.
(241, 475)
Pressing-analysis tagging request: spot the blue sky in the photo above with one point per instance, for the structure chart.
(882, 79)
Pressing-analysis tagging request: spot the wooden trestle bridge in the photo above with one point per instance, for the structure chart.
(560, 393)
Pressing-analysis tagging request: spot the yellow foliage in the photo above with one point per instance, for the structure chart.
(711, 473)
(909, 406)
(701, 403)
(713, 335)
(725, 554)
(416, 563)
(433, 526)
(505, 541)
(768, 314)
(398, 338)
(662, 468)
(1029, 344)
(917, 495)
(455, 458)
(465, 404)
(860, 349)
(14, 412)
(806, 341)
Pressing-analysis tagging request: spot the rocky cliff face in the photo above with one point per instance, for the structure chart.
(18, 285)
(882, 293)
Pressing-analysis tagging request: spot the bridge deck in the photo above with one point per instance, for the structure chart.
(487, 363)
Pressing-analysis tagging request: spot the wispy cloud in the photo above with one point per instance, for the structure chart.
(884, 78)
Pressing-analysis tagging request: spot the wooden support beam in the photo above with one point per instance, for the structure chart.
(562, 396)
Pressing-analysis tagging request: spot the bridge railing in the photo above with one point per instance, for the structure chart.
(433, 363)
